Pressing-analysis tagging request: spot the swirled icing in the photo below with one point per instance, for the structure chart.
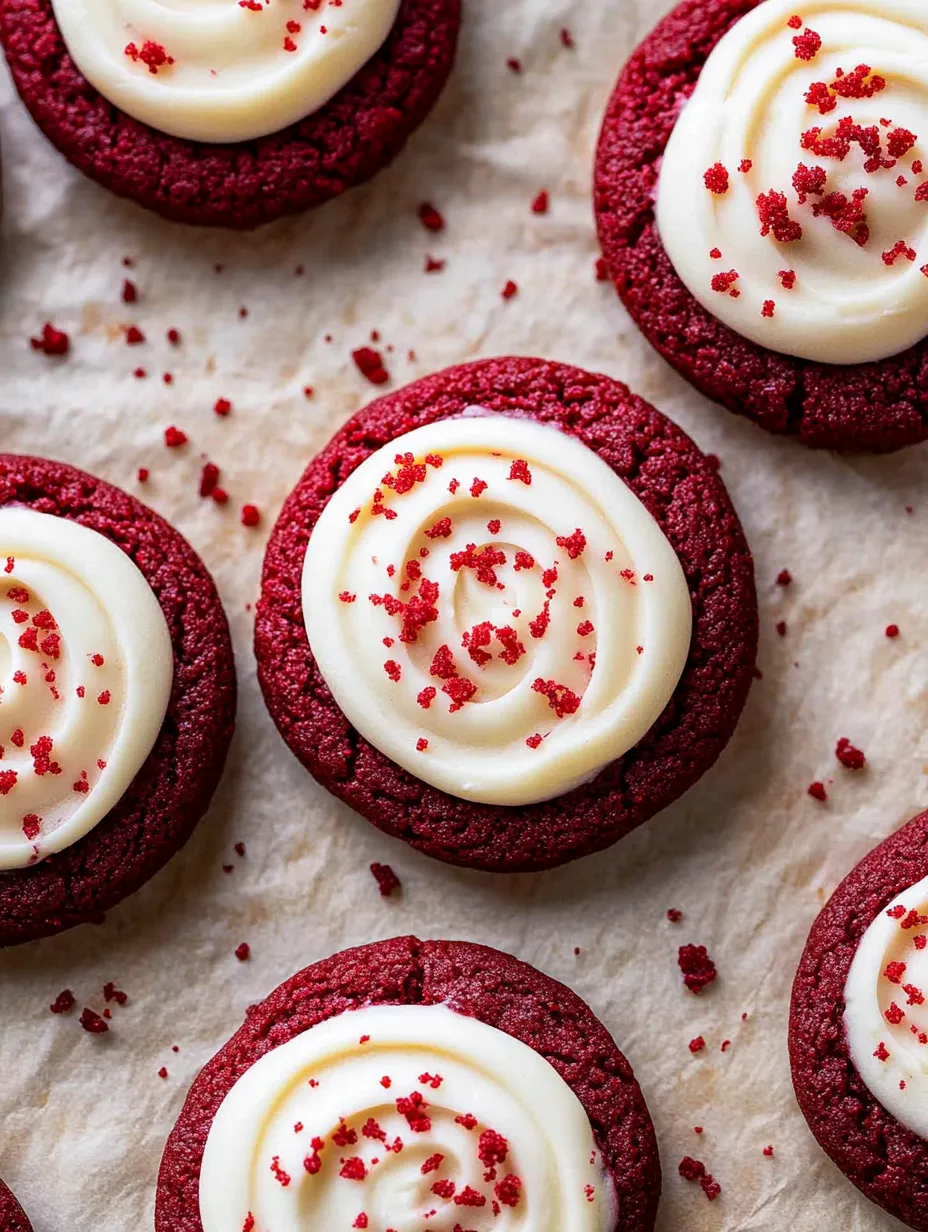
(222, 70)
(494, 609)
(793, 201)
(86, 668)
(403, 1117)
(886, 1008)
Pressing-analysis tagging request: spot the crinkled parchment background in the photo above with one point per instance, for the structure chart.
(747, 855)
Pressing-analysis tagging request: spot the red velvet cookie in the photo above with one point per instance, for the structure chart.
(876, 407)
(156, 815)
(885, 1160)
(344, 143)
(678, 486)
(473, 980)
(12, 1216)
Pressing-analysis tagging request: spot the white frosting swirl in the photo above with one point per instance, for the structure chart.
(847, 291)
(86, 668)
(222, 70)
(886, 1008)
(505, 618)
(412, 1116)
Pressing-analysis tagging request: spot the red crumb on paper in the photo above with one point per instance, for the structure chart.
(386, 878)
(848, 756)
(697, 967)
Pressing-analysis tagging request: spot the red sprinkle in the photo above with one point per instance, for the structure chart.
(848, 756)
(370, 364)
(243, 952)
(430, 217)
(892, 630)
(817, 791)
(697, 967)
(174, 437)
(540, 204)
(716, 179)
(509, 290)
(63, 1003)
(386, 879)
(92, 1022)
(697, 1044)
(251, 515)
(51, 341)
(808, 44)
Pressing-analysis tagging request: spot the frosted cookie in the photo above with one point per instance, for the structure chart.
(412, 1083)
(760, 194)
(858, 1028)
(229, 115)
(117, 695)
(507, 614)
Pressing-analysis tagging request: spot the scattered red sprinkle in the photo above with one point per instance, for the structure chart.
(509, 290)
(808, 44)
(430, 217)
(567, 39)
(174, 437)
(773, 212)
(697, 967)
(817, 791)
(674, 916)
(51, 341)
(243, 952)
(151, 54)
(129, 292)
(112, 993)
(697, 1044)
(768, 1151)
(63, 1003)
(540, 204)
(251, 515)
(795, 23)
(892, 630)
(434, 265)
(788, 279)
(768, 309)
(92, 1022)
(745, 166)
(848, 756)
(514, 65)
(882, 1052)
(370, 364)
(386, 879)
(716, 179)
(222, 407)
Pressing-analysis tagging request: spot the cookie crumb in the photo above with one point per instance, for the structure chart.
(386, 879)
(697, 967)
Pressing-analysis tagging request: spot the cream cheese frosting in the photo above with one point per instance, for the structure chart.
(494, 609)
(403, 1117)
(886, 1011)
(793, 200)
(222, 70)
(86, 668)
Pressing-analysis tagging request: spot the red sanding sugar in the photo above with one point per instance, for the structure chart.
(386, 879)
(697, 967)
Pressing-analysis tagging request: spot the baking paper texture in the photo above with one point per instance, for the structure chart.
(747, 856)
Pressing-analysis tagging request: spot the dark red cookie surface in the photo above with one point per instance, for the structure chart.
(472, 979)
(681, 489)
(886, 1161)
(875, 407)
(168, 797)
(344, 143)
(12, 1216)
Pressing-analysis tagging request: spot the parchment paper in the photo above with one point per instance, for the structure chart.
(747, 856)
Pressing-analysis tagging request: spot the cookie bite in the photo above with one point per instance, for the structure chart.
(858, 1028)
(12, 1216)
(507, 614)
(761, 196)
(414, 1082)
(235, 115)
(117, 695)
